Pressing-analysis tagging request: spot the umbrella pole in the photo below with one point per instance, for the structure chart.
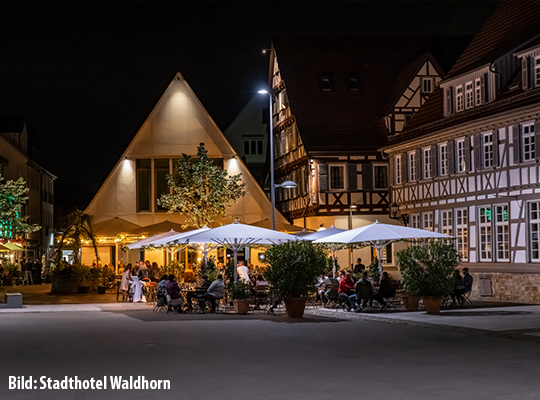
(334, 261)
(378, 247)
(235, 249)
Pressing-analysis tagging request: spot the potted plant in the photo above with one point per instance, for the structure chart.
(10, 272)
(104, 275)
(426, 270)
(292, 269)
(80, 274)
(239, 294)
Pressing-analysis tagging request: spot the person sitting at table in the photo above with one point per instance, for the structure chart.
(214, 292)
(143, 271)
(199, 290)
(363, 291)
(124, 283)
(330, 291)
(320, 285)
(346, 289)
(467, 280)
(162, 291)
(385, 290)
(173, 294)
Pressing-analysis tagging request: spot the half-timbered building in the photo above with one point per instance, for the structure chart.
(335, 102)
(468, 163)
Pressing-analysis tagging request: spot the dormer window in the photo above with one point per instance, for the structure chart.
(478, 91)
(469, 102)
(537, 71)
(352, 83)
(427, 85)
(459, 98)
(325, 83)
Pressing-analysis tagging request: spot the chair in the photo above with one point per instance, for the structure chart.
(465, 300)
(389, 302)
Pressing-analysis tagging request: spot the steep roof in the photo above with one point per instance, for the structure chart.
(513, 23)
(353, 120)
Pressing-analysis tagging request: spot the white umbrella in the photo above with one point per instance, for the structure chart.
(144, 242)
(333, 246)
(379, 235)
(236, 235)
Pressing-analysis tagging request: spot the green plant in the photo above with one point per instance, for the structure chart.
(373, 270)
(174, 267)
(207, 268)
(80, 273)
(77, 226)
(238, 290)
(10, 270)
(293, 267)
(105, 275)
(426, 269)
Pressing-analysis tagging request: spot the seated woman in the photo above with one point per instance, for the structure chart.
(346, 289)
(174, 296)
(458, 287)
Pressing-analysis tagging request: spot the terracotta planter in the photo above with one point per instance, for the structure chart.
(411, 302)
(295, 307)
(241, 306)
(432, 304)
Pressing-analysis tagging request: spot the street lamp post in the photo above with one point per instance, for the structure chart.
(273, 186)
(351, 209)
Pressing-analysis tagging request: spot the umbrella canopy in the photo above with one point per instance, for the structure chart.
(162, 227)
(324, 233)
(280, 226)
(379, 235)
(333, 246)
(179, 238)
(147, 241)
(236, 235)
(114, 226)
(3, 248)
(12, 246)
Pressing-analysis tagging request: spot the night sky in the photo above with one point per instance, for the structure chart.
(87, 75)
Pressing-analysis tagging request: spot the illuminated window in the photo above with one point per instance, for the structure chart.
(144, 179)
(462, 242)
(502, 237)
(484, 232)
(534, 230)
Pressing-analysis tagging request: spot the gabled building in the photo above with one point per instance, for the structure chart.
(16, 161)
(468, 163)
(335, 102)
(177, 125)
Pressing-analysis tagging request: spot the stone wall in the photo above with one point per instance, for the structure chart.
(512, 287)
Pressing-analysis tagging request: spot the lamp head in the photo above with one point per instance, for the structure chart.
(287, 185)
(262, 91)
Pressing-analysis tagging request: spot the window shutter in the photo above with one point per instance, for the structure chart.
(467, 150)
(404, 168)
(450, 148)
(524, 73)
(537, 139)
(323, 178)
(495, 139)
(419, 165)
(478, 152)
(516, 136)
(367, 177)
(530, 70)
(483, 96)
(434, 164)
(351, 169)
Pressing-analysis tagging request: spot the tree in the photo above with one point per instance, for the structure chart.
(201, 191)
(77, 226)
(13, 197)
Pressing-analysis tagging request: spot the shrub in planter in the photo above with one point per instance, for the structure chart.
(426, 270)
(239, 293)
(292, 269)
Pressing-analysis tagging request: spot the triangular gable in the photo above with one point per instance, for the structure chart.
(177, 124)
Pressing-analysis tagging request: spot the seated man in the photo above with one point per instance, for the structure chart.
(199, 290)
(385, 290)
(173, 293)
(363, 292)
(330, 291)
(214, 292)
(467, 280)
(346, 289)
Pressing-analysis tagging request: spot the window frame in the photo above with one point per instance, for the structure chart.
(343, 166)
(487, 150)
(415, 220)
(533, 240)
(505, 232)
(460, 155)
(425, 80)
(536, 72)
(399, 170)
(469, 95)
(461, 223)
(460, 104)
(485, 238)
(478, 91)
(412, 172)
(530, 135)
(443, 158)
(427, 170)
(428, 221)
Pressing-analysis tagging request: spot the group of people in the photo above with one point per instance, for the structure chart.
(355, 295)
(31, 272)
(460, 286)
(169, 293)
